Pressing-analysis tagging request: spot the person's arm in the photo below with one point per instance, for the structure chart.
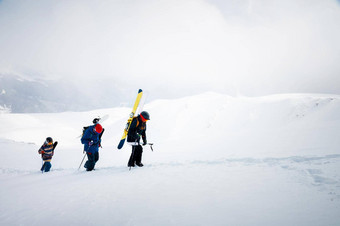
(144, 136)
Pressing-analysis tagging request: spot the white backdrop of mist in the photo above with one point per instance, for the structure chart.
(178, 47)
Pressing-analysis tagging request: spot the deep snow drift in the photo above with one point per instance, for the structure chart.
(217, 160)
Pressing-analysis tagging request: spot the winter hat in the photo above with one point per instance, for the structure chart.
(49, 140)
(145, 115)
(98, 128)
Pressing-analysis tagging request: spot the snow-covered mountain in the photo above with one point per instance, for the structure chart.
(217, 160)
(20, 94)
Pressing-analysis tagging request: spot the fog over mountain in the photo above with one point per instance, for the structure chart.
(18, 95)
(103, 51)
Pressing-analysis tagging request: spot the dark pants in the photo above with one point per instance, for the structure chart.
(92, 158)
(136, 156)
(46, 166)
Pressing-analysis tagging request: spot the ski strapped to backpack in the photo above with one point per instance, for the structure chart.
(95, 121)
(132, 114)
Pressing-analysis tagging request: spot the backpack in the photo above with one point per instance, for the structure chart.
(137, 121)
(84, 129)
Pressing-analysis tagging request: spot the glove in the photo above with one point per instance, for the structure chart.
(91, 143)
(144, 142)
(41, 152)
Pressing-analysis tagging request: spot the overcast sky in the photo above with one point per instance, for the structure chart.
(247, 47)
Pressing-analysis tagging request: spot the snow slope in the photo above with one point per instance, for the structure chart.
(217, 160)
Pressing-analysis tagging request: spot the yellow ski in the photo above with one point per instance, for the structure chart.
(132, 114)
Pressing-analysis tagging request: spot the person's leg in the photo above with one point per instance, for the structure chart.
(48, 166)
(42, 167)
(89, 165)
(96, 157)
(138, 155)
(132, 160)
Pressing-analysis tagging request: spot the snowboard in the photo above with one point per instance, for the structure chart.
(132, 114)
(55, 145)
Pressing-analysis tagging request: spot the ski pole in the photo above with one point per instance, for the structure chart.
(82, 161)
(150, 146)
(84, 156)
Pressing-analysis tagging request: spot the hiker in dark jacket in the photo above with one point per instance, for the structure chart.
(92, 141)
(136, 133)
(47, 151)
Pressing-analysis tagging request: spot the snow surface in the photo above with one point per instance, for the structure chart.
(217, 160)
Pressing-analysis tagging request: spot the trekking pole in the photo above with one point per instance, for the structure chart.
(84, 156)
(150, 145)
(82, 161)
